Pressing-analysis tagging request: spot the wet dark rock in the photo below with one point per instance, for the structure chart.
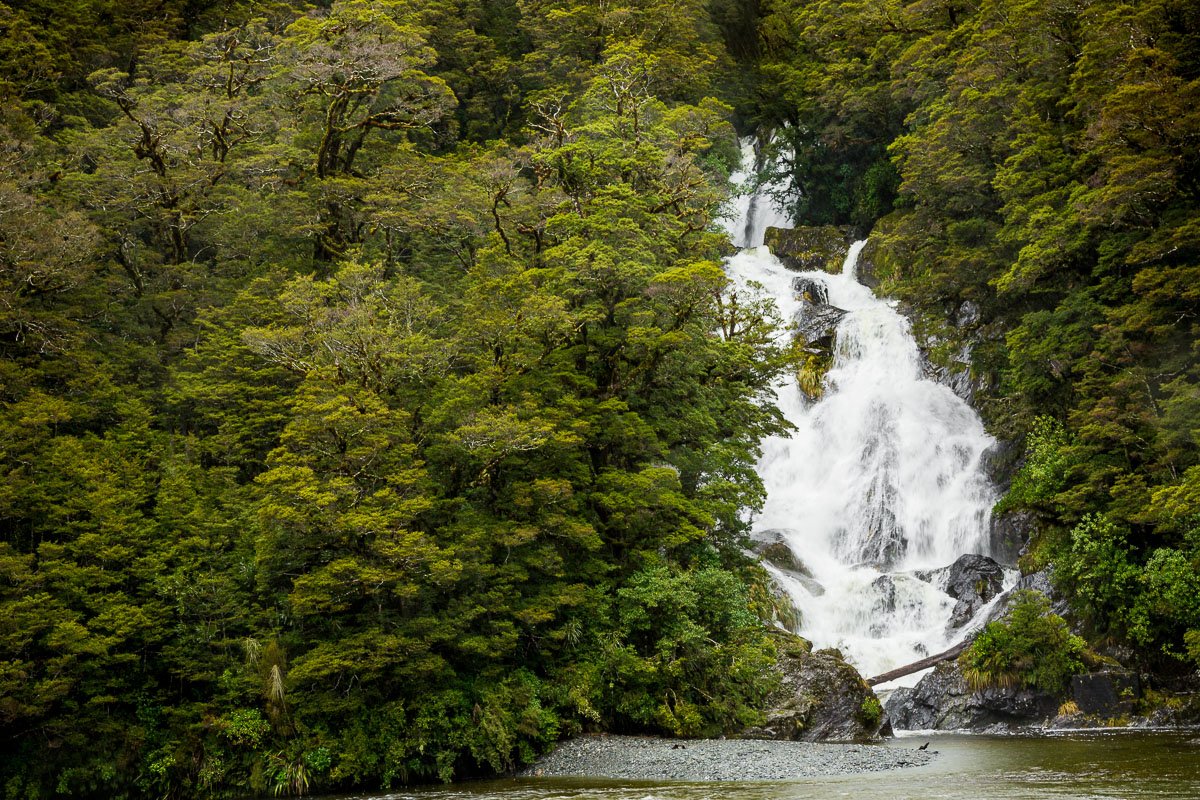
(816, 325)
(1010, 532)
(820, 698)
(944, 701)
(947, 348)
(811, 291)
(973, 580)
(815, 329)
(820, 247)
(883, 589)
(784, 614)
(771, 546)
(782, 556)
(1040, 581)
(1001, 461)
(1108, 693)
(884, 545)
(967, 315)
(1116, 696)
(1036, 582)
(952, 371)
(868, 267)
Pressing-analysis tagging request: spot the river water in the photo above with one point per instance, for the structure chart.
(1109, 765)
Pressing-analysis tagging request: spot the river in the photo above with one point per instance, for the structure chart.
(1103, 765)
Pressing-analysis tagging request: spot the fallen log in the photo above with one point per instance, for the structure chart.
(917, 666)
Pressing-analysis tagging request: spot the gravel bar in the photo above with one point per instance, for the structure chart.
(644, 758)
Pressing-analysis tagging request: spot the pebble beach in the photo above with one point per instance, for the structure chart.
(646, 758)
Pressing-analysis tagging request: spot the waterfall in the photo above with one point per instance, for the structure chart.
(755, 209)
(881, 480)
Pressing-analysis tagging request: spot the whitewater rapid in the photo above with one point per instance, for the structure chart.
(881, 478)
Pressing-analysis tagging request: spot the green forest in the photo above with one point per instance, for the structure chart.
(374, 408)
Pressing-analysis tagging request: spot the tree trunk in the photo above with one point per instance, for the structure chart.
(917, 666)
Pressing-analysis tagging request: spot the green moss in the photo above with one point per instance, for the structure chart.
(870, 712)
(768, 603)
(811, 371)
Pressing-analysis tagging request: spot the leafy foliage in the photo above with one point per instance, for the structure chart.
(1042, 167)
(1044, 472)
(1030, 647)
(373, 407)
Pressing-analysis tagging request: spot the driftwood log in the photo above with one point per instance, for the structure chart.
(917, 666)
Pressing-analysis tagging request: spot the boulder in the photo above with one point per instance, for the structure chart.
(815, 329)
(943, 701)
(820, 698)
(973, 580)
(780, 553)
(772, 547)
(821, 247)
(816, 325)
(810, 290)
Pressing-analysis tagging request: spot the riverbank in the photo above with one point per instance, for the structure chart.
(645, 758)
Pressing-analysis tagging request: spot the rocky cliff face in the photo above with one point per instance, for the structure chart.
(944, 701)
(820, 698)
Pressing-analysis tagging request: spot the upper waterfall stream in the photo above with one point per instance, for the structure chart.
(881, 478)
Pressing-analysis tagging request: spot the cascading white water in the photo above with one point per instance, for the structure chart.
(881, 477)
(755, 209)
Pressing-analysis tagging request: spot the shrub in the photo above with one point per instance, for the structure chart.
(1192, 640)
(871, 711)
(1030, 647)
(1043, 473)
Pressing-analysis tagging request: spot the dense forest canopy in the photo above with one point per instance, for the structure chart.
(373, 406)
(1042, 162)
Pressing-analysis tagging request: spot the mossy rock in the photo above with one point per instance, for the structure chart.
(811, 248)
(782, 556)
(770, 602)
(878, 264)
(820, 697)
